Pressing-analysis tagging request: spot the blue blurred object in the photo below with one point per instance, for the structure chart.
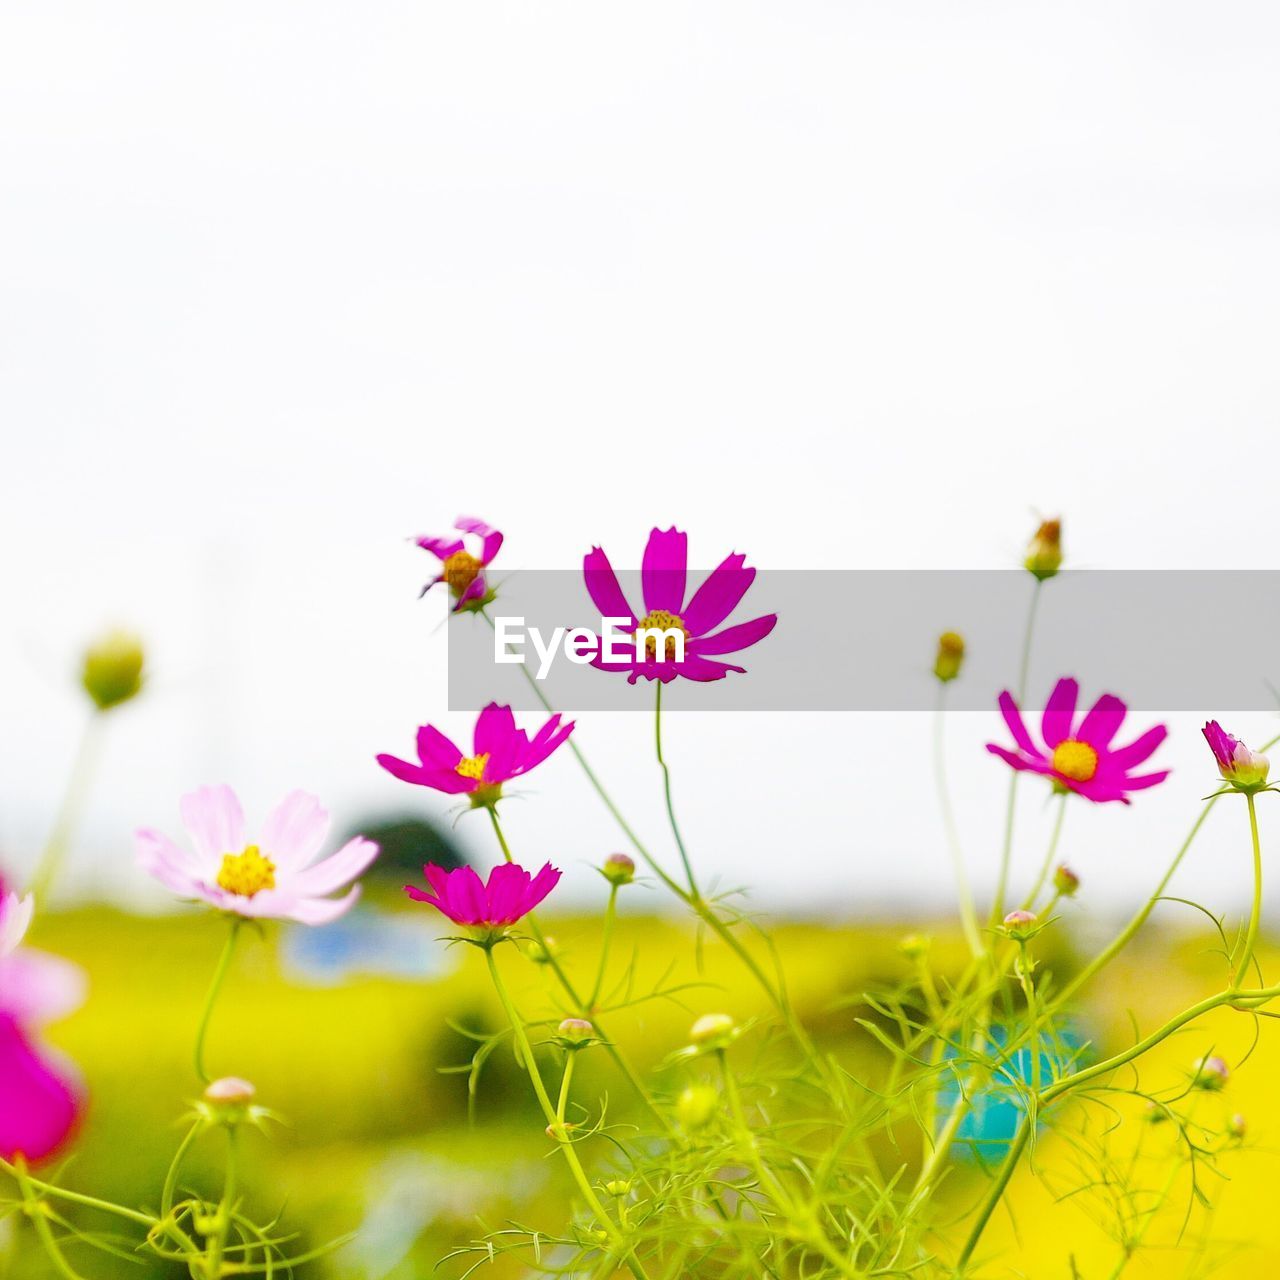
(365, 943)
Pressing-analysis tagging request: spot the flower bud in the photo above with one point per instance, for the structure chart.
(697, 1106)
(1237, 1127)
(619, 869)
(227, 1100)
(713, 1031)
(542, 952)
(1155, 1113)
(112, 671)
(618, 1187)
(1210, 1074)
(1244, 768)
(1021, 925)
(1065, 881)
(950, 656)
(1044, 552)
(915, 946)
(574, 1033)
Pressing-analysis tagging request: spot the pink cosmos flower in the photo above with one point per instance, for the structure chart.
(500, 752)
(510, 894)
(41, 1099)
(463, 571)
(275, 878)
(1081, 759)
(662, 580)
(1240, 766)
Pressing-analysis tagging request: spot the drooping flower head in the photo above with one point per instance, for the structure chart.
(668, 613)
(275, 877)
(1080, 757)
(488, 909)
(461, 569)
(41, 1099)
(500, 752)
(1245, 769)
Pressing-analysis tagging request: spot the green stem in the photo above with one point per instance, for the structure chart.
(1045, 867)
(219, 974)
(1255, 915)
(35, 1210)
(666, 790)
(606, 938)
(70, 811)
(217, 1243)
(994, 1195)
(968, 911)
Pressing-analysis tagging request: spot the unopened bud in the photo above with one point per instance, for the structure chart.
(1044, 553)
(1210, 1074)
(713, 1031)
(1237, 1127)
(697, 1106)
(542, 952)
(576, 1032)
(228, 1100)
(915, 946)
(950, 656)
(1021, 925)
(112, 671)
(619, 869)
(618, 1187)
(1065, 881)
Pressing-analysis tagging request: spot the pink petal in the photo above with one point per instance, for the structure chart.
(492, 543)
(602, 587)
(1140, 749)
(294, 831)
(1013, 718)
(335, 871)
(467, 899)
(442, 547)
(662, 571)
(1144, 780)
(435, 750)
(731, 639)
(542, 884)
(158, 856)
(215, 822)
(1102, 723)
(36, 988)
(475, 591)
(39, 1104)
(317, 911)
(718, 596)
(15, 919)
(505, 891)
(1059, 711)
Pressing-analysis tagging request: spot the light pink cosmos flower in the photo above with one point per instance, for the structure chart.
(662, 581)
(510, 894)
(41, 1099)
(1239, 765)
(1081, 759)
(460, 568)
(500, 752)
(274, 878)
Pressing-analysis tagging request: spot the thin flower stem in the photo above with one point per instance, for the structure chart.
(217, 1243)
(968, 912)
(76, 1197)
(1255, 914)
(585, 1008)
(666, 790)
(175, 1166)
(606, 939)
(70, 811)
(219, 974)
(1046, 866)
(40, 1220)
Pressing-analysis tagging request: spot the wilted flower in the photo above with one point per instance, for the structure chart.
(459, 568)
(112, 671)
(271, 878)
(697, 1106)
(619, 869)
(1210, 1073)
(1245, 769)
(1044, 553)
(1021, 925)
(950, 656)
(500, 752)
(40, 1096)
(662, 579)
(1065, 881)
(1081, 759)
(509, 895)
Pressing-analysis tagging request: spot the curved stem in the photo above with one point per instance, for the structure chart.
(968, 912)
(666, 790)
(1255, 914)
(219, 974)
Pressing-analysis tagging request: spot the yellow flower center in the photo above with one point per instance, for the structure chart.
(1075, 760)
(246, 873)
(661, 620)
(472, 766)
(460, 571)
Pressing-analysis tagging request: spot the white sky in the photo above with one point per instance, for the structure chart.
(837, 285)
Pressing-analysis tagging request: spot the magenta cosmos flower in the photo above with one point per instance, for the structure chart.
(1245, 769)
(41, 1099)
(276, 877)
(500, 752)
(510, 894)
(662, 582)
(1081, 758)
(460, 568)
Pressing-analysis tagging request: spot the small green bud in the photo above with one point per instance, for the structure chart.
(1237, 1127)
(112, 671)
(697, 1106)
(713, 1031)
(1044, 553)
(1210, 1073)
(575, 1033)
(915, 946)
(619, 869)
(1065, 881)
(950, 656)
(1022, 925)
(618, 1187)
(228, 1100)
(542, 952)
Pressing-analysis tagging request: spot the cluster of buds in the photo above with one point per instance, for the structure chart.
(1044, 552)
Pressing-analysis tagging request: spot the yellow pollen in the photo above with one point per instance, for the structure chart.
(460, 570)
(246, 873)
(1075, 760)
(472, 766)
(661, 620)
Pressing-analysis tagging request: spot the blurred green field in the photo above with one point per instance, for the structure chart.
(377, 1140)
